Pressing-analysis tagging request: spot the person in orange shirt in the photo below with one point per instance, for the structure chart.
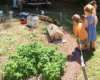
(80, 32)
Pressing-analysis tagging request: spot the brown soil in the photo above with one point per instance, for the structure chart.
(74, 61)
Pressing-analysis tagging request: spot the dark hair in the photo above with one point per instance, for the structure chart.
(89, 8)
(82, 17)
(93, 3)
(76, 18)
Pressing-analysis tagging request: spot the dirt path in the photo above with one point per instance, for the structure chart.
(74, 61)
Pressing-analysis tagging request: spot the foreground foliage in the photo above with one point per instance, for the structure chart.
(33, 58)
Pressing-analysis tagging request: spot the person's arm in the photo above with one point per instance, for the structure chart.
(86, 23)
(75, 31)
(96, 20)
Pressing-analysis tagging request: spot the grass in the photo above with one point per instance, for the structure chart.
(2, 51)
(25, 28)
(12, 34)
(5, 44)
(43, 28)
(92, 59)
(26, 36)
(35, 35)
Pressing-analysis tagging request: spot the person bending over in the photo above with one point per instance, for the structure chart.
(80, 32)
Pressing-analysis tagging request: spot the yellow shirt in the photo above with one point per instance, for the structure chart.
(80, 31)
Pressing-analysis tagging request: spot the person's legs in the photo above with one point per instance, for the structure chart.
(93, 44)
(79, 46)
(88, 45)
(85, 43)
(18, 3)
(83, 46)
(21, 4)
(14, 3)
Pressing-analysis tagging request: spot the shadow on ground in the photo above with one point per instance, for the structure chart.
(76, 56)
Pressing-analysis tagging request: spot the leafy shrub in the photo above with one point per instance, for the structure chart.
(33, 58)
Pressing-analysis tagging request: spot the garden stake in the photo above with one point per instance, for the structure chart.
(61, 18)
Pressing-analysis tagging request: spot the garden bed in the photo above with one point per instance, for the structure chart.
(18, 34)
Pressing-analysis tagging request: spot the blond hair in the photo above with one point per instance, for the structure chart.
(76, 18)
(93, 3)
(89, 8)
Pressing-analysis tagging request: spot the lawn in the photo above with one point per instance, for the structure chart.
(17, 34)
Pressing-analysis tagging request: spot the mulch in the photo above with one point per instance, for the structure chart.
(73, 59)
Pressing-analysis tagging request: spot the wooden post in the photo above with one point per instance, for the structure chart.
(84, 73)
(83, 68)
(7, 9)
(4, 17)
(37, 10)
(61, 18)
(0, 20)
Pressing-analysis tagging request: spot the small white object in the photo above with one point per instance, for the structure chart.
(34, 31)
(1, 14)
(42, 12)
(11, 14)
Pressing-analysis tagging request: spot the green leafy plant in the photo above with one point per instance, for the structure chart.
(43, 29)
(34, 58)
(35, 35)
(25, 28)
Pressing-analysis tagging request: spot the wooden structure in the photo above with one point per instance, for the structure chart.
(40, 3)
(55, 32)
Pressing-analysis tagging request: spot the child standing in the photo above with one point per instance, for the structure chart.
(90, 24)
(82, 19)
(80, 32)
(93, 3)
